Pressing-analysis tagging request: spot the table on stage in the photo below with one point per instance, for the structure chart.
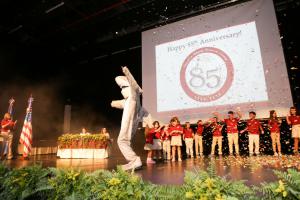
(82, 146)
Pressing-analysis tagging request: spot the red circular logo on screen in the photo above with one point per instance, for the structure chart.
(206, 74)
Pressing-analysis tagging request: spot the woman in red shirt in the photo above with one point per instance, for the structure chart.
(175, 130)
(274, 127)
(7, 127)
(294, 120)
(188, 137)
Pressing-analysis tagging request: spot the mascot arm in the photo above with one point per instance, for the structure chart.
(131, 80)
(118, 104)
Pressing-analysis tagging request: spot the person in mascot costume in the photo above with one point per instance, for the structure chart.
(133, 114)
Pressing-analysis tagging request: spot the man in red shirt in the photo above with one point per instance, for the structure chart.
(198, 138)
(232, 130)
(7, 126)
(254, 128)
(217, 136)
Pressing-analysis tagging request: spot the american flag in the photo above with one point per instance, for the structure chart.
(26, 135)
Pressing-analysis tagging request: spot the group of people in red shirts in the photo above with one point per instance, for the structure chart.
(168, 139)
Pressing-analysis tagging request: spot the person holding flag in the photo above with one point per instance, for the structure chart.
(10, 111)
(7, 126)
(26, 134)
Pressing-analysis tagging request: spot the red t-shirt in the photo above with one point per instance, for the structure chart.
(155, 132)
(150, 136)
(200, 129)
(274, 126)
(217, 130)
(232, 125)
(175, 130)
(188, 133)
(9, 127)
(253, 126)
(294, 119)
(164, 136)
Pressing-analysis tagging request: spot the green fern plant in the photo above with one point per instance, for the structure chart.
(209, 186)
(287, 187)
(25, 183)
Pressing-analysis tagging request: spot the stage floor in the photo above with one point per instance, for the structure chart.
(253, 170)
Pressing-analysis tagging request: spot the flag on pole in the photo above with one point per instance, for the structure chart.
(26, 134)
(10, 107)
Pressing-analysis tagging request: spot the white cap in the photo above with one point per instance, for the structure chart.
(122, 81)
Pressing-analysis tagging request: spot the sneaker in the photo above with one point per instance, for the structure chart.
(179, 160)
(250, 154)
(279, 154)
(133, 165)
(275, 154)
(150, 161)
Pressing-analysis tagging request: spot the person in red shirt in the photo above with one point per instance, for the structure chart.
(7, 127)
(188, 137)
(294, 120)
(253, 127)
(232, 130)
(166, 143)
(157, 146)
(274, 127)
(175, 130)
(149, 135)
(198, 139)
(217, 136)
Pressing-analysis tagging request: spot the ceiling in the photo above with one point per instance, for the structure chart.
(71, 26)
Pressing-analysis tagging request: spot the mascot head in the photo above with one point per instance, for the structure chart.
(124, 85)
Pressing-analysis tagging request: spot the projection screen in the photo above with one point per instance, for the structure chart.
(223, 60)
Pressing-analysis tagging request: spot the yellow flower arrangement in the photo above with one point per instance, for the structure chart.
(219, 197)
(189, 195)
(281, 189)
(209, 183)
(114, 181)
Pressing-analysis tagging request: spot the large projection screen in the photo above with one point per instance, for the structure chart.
(223, 60)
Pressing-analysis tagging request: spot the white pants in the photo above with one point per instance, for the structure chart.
(166, 149)
(189, 146)
(7, 140)
(233, 139)
(129, 126)
(296, 131)
(253, 140)
(198, 144)
(216, 140)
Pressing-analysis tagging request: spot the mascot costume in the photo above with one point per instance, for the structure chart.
(133, 114)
